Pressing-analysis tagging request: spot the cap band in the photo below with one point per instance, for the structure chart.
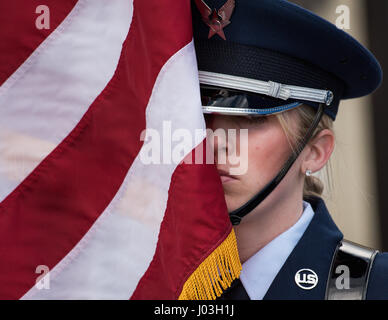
(246, 111)
(268, 88)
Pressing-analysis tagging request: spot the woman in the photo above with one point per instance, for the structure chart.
(280, 71)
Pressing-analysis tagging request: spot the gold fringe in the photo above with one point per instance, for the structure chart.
(215, 274)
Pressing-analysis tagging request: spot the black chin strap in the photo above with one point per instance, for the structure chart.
(238, 214)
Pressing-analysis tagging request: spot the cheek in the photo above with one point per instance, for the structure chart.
(267, 154)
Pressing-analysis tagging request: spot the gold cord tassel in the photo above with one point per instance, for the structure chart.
(215, 274)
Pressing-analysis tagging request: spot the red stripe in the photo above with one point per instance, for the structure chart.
(195, 223)
(19, 36)
(46, 216)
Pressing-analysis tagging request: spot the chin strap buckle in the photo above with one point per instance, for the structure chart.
(235, 219)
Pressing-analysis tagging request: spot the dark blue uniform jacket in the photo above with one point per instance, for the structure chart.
(315, 251)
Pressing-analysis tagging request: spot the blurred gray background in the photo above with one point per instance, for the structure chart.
(356, 192)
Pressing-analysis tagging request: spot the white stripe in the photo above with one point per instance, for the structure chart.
(113, 256)
(47, 96)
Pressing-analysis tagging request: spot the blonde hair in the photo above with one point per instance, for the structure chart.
(313, 186)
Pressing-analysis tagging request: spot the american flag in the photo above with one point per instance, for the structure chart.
(81, 216)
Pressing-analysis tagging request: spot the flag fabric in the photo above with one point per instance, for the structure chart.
(76, 199)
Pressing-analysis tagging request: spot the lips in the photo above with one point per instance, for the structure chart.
(225, 176)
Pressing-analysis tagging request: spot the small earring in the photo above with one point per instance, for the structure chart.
(308, 173)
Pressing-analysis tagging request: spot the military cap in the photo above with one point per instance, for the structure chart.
(268, 56)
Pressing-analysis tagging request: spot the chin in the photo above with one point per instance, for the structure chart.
(232, 204)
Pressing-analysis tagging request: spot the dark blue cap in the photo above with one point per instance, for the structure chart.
(275, 40)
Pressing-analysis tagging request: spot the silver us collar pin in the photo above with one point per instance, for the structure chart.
(306, 279)
(268, 88)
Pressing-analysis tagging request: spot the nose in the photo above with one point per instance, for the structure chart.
(220, 146)
(218, 137)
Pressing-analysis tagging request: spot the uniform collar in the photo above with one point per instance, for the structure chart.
(314, 251)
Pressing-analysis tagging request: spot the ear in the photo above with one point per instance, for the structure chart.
(318, 151)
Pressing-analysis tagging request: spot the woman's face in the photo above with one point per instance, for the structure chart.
(267, 150)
